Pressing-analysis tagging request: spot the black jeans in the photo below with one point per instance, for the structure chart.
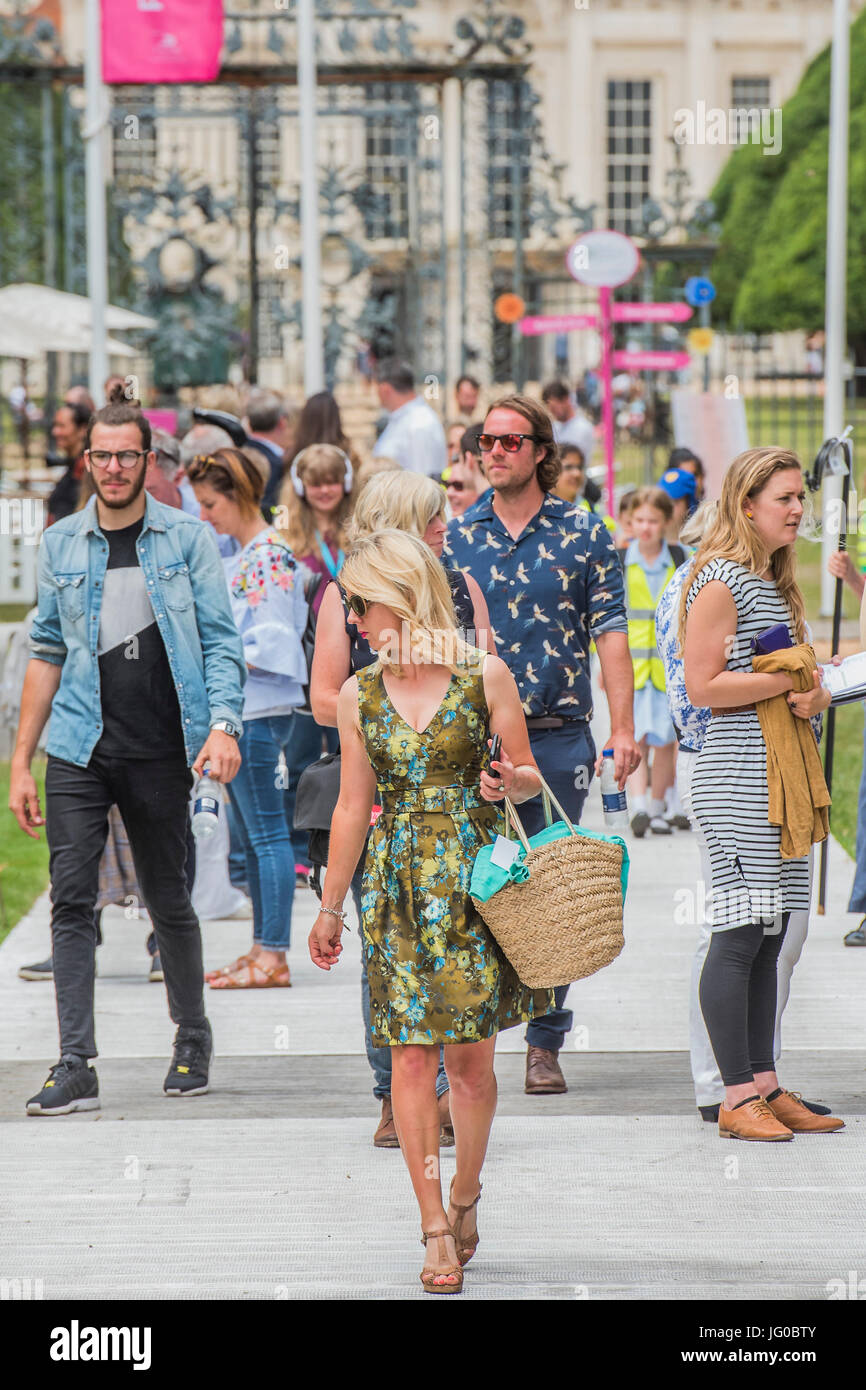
(738, 999)
(152, 796)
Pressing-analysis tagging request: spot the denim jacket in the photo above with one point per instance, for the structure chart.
(187, 588)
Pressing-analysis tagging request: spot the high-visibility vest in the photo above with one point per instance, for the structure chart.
(647, 663)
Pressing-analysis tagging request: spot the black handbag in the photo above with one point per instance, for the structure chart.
(315, 802)
(312, 585)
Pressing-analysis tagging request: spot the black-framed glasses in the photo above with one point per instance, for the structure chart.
(127, 458)
(510, 442)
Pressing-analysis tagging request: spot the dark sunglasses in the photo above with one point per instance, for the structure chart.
(456, 487)
(510, 442)
(357, 604)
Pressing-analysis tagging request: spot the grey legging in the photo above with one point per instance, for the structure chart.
(738, 999)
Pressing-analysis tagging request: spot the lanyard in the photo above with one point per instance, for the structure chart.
(333, 568)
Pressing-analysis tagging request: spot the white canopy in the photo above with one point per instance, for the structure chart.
(21, 337)
(49, 307)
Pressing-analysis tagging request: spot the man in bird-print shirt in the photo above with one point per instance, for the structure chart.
(553, 583)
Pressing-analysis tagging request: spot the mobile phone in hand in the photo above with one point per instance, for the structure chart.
(495, 750)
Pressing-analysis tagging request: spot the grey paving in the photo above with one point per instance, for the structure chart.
(269, 1187)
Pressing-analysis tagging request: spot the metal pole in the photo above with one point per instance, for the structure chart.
(830, 730)
(518, 171)
(606, 327)
(93, 133)
(835, 324)
(49, 186)
(311, 276)
(253, 225)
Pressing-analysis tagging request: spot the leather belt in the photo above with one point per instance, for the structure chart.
(548, 721)
(732, 709)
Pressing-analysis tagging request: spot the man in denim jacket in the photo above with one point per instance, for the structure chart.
(137, 660)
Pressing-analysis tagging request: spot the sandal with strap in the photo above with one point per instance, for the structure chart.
(429, 1276)
(276, 977)
(465, 1248)
(228, 969)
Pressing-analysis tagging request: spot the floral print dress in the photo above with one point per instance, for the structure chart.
(436, 974)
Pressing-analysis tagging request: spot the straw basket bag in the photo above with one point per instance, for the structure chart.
(556, 909)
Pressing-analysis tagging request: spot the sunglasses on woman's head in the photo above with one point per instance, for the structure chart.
(510, 442)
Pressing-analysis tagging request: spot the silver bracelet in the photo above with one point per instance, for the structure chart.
(334, 912)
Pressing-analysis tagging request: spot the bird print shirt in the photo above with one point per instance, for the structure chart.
(549, 592)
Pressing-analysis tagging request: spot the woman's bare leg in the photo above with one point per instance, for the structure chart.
(663, 770)
(416, 1117)
(473, 1105)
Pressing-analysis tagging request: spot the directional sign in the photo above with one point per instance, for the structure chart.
(534, 324)
(651, 313)
(699, 290)
(651, 361)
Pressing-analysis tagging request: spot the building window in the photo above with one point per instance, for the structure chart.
(748, 94)
(507, 157)
(133, 136)
(629, 119)
(388, 131)
(271, 317)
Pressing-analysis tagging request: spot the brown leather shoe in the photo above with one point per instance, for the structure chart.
(386, 1135)
(446, 1129)
(789, 1108)
(753, 1120)
(543, 1073)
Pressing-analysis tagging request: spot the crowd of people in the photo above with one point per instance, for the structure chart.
(239, 602)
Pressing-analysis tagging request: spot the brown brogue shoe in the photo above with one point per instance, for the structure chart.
(752, 1120)
(386, 1135)
(789, 1108)
(543, 1073)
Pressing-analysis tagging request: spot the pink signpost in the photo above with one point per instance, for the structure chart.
(604, 260)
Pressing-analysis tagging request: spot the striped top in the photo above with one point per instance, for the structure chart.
(750, 880)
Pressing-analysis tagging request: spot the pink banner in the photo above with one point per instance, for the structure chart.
(162, 419)
(651, 313)
(535, 324)
(651, 361)
(161, 40)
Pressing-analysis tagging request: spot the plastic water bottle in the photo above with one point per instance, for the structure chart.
(612, 799)
(205, 816)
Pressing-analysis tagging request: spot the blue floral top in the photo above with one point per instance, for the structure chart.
(270, 612)
(549, 592)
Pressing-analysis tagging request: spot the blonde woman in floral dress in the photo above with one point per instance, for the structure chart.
(414, 730)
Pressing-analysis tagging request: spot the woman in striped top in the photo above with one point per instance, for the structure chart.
(743, 582)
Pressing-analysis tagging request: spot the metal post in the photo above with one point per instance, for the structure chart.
(314, 366)
(835, 324)
(606, 333)
(518, 171)
(253, 229)
(93, 133)
(49, 258)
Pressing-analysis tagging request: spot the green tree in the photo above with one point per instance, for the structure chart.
(769, 270)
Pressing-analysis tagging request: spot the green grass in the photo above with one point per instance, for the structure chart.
(847, 766)
(14, 612)
(23, 862)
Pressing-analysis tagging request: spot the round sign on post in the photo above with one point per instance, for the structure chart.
(699, 290)
(700, 340)
(602, 259)
(509, 308)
